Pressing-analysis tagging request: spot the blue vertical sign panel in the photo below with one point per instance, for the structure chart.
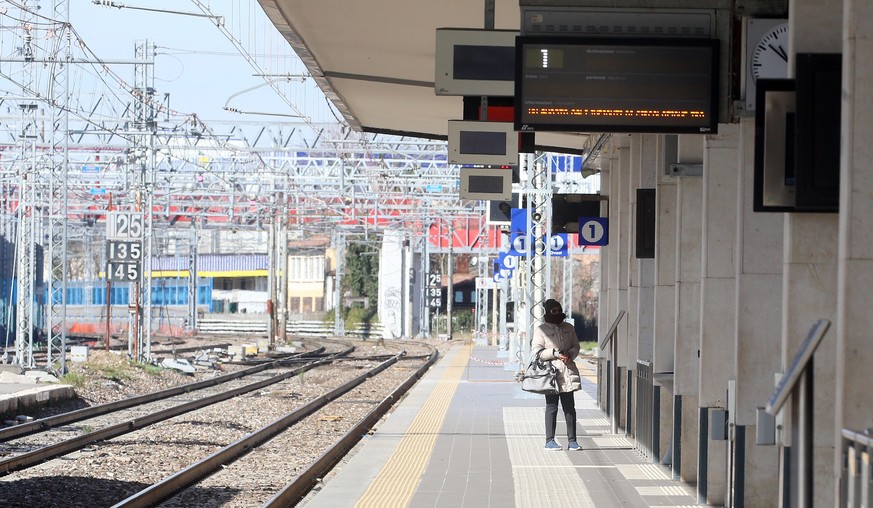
(566, 163)
(519, 220)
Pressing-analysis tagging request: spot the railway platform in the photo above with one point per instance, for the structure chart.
(467, 436)
(19, 392)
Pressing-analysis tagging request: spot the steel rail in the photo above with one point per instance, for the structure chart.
(294, 491)
(201, 469)
(44, 424)
(37, 456)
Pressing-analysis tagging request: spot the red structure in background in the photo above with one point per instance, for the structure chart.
(464, 234)
(476, 234)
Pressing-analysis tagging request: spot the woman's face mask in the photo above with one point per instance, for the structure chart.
(555, 316)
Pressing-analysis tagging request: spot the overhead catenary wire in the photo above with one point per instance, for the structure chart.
(379, 181)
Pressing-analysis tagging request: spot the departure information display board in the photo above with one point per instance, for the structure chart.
(616, 85)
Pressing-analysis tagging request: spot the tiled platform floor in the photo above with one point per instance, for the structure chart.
(488, 450)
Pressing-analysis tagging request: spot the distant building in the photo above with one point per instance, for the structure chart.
(311, 278)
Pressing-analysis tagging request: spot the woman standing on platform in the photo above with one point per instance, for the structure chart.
(556, 341)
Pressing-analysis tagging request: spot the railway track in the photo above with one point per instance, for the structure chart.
(270, 427)
(24, 445)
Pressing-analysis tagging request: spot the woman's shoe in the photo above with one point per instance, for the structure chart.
(551, 445)
(573, 446)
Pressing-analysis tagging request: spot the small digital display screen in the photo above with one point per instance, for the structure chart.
(484, 63)
(616, 85)
(485, 184)
(482, 143)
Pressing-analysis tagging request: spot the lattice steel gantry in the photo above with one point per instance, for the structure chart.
(187, 175)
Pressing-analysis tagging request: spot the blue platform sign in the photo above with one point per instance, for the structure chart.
(519, 220)
(504, 266)
(506, 261)
(90, 169)
(556, 245)
(593, 231)
(97, 191)
(502, 274)
(433, 188)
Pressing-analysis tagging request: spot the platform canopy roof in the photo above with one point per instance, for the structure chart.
(374, 59)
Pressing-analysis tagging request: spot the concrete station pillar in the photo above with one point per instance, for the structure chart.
(605, 313)
(664, 339)
(718, 304)
(619, 241)
(629, 223)
(643, 153)
(689, 227)
(854, 354)
(758, 333)
(644, 163)
(810, 290)
(811, 249)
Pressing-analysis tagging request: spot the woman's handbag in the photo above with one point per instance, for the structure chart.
(540, 377)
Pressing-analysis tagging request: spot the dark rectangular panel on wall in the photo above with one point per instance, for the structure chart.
(818, 89)
(645, 241)
(775, 179)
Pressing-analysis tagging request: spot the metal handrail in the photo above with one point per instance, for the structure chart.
(865, 439)
(856, 483)
(797, 382)
(613, 391)
(789, 381)
(612, 330)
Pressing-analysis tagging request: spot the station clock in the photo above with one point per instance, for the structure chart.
(766, 43)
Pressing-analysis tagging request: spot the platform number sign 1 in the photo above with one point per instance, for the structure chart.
(434, 291)
(124, 246)
(593, 231)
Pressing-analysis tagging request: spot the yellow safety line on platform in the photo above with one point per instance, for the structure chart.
(395, 484)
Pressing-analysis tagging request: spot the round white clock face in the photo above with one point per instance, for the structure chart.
(770, 57)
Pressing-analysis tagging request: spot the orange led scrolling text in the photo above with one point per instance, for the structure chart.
(657, 113)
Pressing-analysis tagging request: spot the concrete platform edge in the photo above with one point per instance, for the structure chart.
(371, 454)
(18, 398)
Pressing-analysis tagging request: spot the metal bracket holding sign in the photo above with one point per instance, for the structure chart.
(678, 169)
